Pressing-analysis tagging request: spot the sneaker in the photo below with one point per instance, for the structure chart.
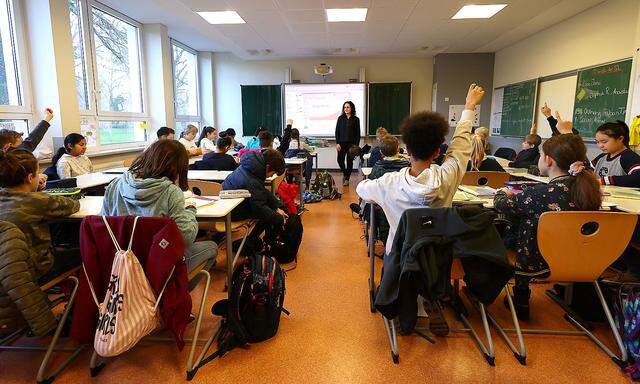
(437, 323)
(355, 208)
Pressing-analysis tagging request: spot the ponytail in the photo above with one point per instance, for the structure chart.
(478, 146)
(616, 129)
(15, 166)
(566, 150)
(54, 160)
(205, 131)
(69, 141)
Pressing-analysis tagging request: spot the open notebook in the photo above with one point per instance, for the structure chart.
(198, 201)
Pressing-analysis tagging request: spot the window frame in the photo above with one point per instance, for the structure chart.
(185, 118)
(24, 111)
(94, 115)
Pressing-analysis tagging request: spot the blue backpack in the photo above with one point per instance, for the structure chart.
(626, 310)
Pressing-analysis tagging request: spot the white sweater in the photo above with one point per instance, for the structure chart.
(207, 145)
(73, 166)
(435, 187)
(188, 144)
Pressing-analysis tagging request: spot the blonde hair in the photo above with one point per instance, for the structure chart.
(381, 132)
(483, 131)
(478, 144)
(190, 128)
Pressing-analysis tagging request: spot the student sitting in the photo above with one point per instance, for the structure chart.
(234, 144)
(558, 125)
(187, 138)
(207, 140)
(218, 160)
(12, 139)
(31, 211)
(391, 161)
(70, 160)
(265, 141)
(425, 184)
(166, 133)
(286, 137)
(297, 143)
(530, 153)
(479, 160)
(297, 148)
(484, 133)
(254, 142)
(617, 164)
(376, 154)
(572, 187)
(254, 169)
(153, 186)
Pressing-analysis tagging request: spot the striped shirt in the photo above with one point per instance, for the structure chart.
(621, 169)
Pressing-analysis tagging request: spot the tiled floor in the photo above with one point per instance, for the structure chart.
(331, 337)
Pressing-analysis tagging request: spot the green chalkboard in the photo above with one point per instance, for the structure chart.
(389, 104)
(518, 105)
(601, 96)
(261, 105)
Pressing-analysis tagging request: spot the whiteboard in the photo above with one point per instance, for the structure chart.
(559, 95)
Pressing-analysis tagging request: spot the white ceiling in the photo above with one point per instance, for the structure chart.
(298, 28)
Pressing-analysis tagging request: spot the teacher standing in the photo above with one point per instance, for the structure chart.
(347, 135)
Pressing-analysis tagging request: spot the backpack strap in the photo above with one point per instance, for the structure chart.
(163, 287)
(113, 238)
(133, 231)
(93, 293)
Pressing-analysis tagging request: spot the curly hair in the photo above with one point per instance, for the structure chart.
(423, 133)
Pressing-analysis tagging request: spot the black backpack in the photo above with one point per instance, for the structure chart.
(252, 312)
(284, 246)
(325, 186)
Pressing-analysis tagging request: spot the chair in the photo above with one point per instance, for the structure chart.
(491, 179)
(578, 248)
(6, 344)
(506, 153)
(204, 188)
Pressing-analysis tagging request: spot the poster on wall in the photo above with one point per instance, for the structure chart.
(455, 112)
(496, 111)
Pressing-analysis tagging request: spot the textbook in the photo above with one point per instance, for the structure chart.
(200, 201)
(235, 194)
(479, 191)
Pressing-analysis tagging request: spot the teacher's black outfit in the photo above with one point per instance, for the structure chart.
(347, 135)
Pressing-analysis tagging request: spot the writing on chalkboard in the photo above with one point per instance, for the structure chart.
(518, 105)
(601, 96)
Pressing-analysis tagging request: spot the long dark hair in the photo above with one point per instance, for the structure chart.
(165, 158)
(69, 141)
(295, 134)
(616, 129)
(566, 150)
(353, 108)
(15, 166)
(205, 131)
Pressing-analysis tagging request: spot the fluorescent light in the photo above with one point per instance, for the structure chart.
(478, 11)
(222, 17)
(346, 14)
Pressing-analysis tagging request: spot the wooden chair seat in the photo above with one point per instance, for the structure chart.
(235, 225)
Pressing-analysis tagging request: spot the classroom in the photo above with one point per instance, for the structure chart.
(320, 191)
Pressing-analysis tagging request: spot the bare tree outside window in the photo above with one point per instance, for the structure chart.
(185, 72)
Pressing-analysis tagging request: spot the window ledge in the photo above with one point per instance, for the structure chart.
(109, 152)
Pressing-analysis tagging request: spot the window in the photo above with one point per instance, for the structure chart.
(185, 85)
(15, 125)
(109, 77)
(182, 125)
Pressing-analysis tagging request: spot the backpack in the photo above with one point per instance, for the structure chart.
(252, 312)
(626, 309)
(284, 246)
(129, 310)
(325, 186)
(310, 197)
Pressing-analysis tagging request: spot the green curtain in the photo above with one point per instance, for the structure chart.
(261, 105)
(389, 104)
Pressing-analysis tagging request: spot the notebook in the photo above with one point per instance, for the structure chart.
(479, 191)
(200, 201)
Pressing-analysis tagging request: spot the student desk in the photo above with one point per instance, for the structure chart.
(96, 179)
(296, 162)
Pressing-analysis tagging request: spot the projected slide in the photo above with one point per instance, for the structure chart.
(315, 108)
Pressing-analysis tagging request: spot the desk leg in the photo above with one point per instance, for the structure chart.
(230, 255)
(300, 177)
(372, 258)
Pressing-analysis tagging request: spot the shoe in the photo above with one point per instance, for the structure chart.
(520, 302)
(437, 323)
(355, 208)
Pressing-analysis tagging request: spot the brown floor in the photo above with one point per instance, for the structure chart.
(331, 337)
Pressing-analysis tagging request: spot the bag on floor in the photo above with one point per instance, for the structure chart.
(288, 193)
(325, 186)
(626, 310)
(252, 312)
(129, 310)
(310, 197)
(284, 246)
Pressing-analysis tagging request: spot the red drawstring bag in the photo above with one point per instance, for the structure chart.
(288, 193)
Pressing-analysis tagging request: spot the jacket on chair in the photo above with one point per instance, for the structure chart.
(425, 243)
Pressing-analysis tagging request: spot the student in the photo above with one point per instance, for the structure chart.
(484, 133)
(218, 160)
(254, 142)
(32, 211)
(297, 148)
(234, 144)
(391, 161)
(572, 187)
(530, 153)
(558, 125)
(207, 140)
(423, 183)
(153, 186)
(297, 143)
(12, 139)
(617, 164)
(166, 133)
(376, 154)
(187, 138)
(70, 160)
(286, 137)
(254, 169)
(265, 140)
(479, 160)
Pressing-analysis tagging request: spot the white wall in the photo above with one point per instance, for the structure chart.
(607, 32)
(231, 72)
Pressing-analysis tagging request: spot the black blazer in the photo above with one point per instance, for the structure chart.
(527, 158)
(348, 130)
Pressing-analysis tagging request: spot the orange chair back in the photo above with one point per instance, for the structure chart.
(205, 188)
(490, 179)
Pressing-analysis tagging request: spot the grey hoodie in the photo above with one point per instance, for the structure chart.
(129, 196)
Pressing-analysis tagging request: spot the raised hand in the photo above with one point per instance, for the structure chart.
(48, 114)
(474, 96)
(564, 126)
(534, 128)
(546, 111)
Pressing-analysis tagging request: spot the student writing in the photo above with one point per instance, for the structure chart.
(207, 140)
(218, 160)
